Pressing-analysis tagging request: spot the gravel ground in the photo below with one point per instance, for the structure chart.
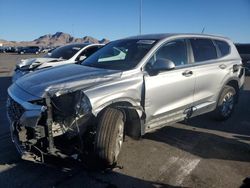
(196, 153)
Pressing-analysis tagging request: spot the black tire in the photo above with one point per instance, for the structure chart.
(226, 104)
(108, 139)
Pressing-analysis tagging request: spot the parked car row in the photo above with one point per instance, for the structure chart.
(7, 49)
(130, 86)
(25, 50)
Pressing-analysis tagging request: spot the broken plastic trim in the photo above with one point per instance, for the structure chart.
(49, 123)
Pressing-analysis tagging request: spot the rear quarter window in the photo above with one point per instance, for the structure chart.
(203, 49)
(223, 47)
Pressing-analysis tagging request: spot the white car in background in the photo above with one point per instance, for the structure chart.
(72, 53)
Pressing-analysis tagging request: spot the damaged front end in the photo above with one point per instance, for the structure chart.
(51, 126)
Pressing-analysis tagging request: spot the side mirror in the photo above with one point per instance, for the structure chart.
(163, 65)
(81, 58)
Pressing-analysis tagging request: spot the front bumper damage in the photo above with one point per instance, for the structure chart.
(37, 134)
(23, 118)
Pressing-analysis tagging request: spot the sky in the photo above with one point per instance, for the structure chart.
(24, 20)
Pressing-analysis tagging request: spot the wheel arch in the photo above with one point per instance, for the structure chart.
(133, 116)
(234, 83)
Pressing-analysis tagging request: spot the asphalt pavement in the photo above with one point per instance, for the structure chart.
(198, 153)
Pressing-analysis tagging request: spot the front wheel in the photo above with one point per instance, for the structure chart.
(109, 135)
(225, 104)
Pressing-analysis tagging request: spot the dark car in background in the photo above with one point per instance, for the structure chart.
(244, 51)
(2, 49)
(7, 49)
(29, 50)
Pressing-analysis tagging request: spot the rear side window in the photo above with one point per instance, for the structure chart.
(203, 49)
(223, 47)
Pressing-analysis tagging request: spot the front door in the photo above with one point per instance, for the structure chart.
(169, 94)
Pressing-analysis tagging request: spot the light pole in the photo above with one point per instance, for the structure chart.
(140, 17)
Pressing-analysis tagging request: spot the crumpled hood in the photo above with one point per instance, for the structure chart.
(28, 64)
(63, 79)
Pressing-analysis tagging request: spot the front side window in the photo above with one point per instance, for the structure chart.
(203, 49)
(87, 52)
(175, 51)
(65, 52)
(120, 55)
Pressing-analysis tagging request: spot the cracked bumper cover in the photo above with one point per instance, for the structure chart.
(33, 129)
(25, 114)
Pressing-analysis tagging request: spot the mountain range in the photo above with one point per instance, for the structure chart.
(57, 39)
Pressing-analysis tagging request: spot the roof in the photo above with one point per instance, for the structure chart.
(161, 36)
(81, 45)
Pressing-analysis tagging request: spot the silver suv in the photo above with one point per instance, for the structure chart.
(133, 86)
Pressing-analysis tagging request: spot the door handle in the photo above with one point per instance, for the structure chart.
(187, 73)
(222, 66)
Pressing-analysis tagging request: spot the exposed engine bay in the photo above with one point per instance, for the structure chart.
(37, 134)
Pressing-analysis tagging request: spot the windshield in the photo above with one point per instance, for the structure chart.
(120, 55)
(65, 52)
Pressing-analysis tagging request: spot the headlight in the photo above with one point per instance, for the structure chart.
(34, 66)
(25, 67)
(40, 102)
(28, 67)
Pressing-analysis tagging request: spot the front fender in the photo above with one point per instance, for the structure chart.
(127, 89)
(132, 104)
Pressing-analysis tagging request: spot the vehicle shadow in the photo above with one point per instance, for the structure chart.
(8, 153)
(4, 84)
(239, 123)
(29, 174)
(204, 145)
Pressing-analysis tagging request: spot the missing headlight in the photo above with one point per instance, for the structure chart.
(71, 104)
(65, 105)
(71, 111)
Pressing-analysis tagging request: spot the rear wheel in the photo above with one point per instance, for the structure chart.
(109, 135)
(225, 104)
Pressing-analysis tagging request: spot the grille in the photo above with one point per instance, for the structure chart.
(14, 110)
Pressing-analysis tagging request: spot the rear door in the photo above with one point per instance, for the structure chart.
(210, 71)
